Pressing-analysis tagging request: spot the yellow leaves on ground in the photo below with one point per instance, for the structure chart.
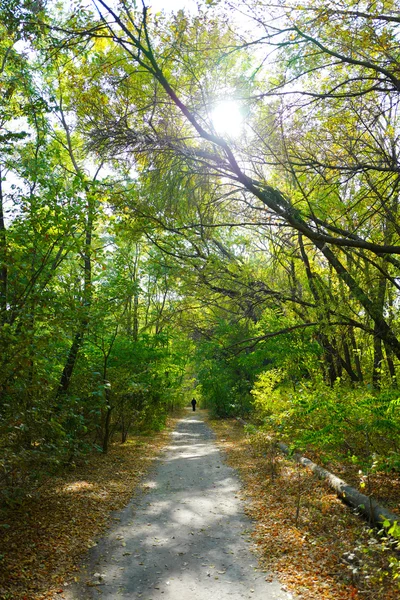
(43, 540)
(304, 533)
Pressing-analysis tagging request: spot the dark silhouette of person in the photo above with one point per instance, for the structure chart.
(194, 404)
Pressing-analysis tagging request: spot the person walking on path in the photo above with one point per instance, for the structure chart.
(194, 404)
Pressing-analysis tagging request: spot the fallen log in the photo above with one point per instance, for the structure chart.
(365, 505)
(374, 512)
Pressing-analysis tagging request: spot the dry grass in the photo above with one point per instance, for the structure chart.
(43, 540)
(302, 530)
(304, 533)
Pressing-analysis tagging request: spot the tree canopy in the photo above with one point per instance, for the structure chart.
(197, 203)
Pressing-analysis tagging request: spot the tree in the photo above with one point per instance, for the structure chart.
(210, 151)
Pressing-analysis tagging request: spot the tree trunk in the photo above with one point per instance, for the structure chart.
(135, 317)
(329, 357)
(378, 349)
(107, 426)
(375, 513)
(378, 359)
(356, 354)
(391, 367)
(332, 356)
(70, 363)
(383, 330)
(347, 361)
(3, 259)
(86, 301)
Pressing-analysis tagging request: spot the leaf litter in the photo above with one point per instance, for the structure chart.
(44, 539)
(317, 547)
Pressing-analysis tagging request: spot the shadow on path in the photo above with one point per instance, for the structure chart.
(186, 537)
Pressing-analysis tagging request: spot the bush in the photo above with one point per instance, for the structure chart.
(343, 421)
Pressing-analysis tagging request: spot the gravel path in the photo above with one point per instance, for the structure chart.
(186, 538)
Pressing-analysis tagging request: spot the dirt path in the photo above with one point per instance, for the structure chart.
(186, 538)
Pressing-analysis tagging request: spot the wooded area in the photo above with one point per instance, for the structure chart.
(198, 203)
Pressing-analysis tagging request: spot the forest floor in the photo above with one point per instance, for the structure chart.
(317, 545)
(318, 548)
(43, 539)
(187, 536)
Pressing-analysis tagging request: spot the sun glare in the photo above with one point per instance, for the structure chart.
(227, 118)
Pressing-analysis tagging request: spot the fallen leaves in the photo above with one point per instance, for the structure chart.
(43, 540)
(301, 529)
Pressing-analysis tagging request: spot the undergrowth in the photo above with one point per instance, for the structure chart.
(317, 546)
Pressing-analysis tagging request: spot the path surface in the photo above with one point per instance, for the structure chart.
(185, 539)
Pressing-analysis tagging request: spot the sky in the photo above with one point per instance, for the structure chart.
(157, 5)
(172, 5)
(167, 5)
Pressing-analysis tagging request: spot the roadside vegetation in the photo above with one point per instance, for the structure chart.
(47, 536)
(315, 545)
(199, 203)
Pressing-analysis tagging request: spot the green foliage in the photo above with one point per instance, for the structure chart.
(224, 380)
(348, 423)
(139, 265)
(267, 400)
